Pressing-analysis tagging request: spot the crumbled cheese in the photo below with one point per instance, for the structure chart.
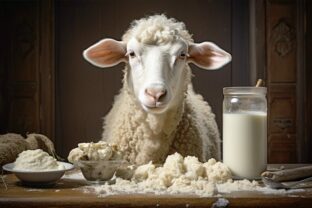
(142, 172)
(194, 168)
(178, 175)
(94, 151)
(189, 177)
(36, 160)
(216, 172)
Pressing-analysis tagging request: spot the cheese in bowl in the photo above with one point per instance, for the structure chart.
(97, 161)
(37, 168)
(95, 151)
(36, 160)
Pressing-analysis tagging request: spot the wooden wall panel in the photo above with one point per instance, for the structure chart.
(27, 70)
(22, 111)
(281, 36)
(282, 148)
(281, 33)
(3, 71)
(23, 72)
(282, 109)
(282, 138)
(46, 66)
(307, 74)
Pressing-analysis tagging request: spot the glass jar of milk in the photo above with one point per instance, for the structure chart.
(245, 131)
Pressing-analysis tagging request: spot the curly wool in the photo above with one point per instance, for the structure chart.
(156, 30)
(189, 129)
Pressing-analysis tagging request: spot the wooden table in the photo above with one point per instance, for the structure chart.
(67, 194)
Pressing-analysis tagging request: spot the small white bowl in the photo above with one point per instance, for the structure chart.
(38, 178)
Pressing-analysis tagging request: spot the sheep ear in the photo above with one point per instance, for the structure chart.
(106, 53)
(208, 55)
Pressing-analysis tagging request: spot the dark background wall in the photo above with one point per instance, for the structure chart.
(47, 87)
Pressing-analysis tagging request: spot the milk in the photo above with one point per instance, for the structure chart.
(245, 143)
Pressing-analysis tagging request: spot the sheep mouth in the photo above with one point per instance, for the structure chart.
(157, 108)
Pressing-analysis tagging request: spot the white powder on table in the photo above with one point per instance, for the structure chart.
(36, 160)
(246, 185)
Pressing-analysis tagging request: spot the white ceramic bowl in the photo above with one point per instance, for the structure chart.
(38, 178)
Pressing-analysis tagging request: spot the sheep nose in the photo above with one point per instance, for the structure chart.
(156, 92)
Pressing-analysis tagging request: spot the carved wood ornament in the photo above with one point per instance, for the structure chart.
(283, 36)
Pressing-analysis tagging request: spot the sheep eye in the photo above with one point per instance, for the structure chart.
(132, 54)
(183, 55)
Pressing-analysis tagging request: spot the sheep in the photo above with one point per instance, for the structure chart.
(157, 111)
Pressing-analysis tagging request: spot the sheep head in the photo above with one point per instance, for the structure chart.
(157, 51)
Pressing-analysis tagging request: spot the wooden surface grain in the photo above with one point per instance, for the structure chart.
(69, 193)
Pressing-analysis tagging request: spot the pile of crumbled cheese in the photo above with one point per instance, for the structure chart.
(178, 175)
(94, 151)
(36, 160)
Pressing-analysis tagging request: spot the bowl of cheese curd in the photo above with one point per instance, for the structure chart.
(98, 161)
(37, 168)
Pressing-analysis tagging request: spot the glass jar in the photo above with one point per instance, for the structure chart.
(245, 131)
